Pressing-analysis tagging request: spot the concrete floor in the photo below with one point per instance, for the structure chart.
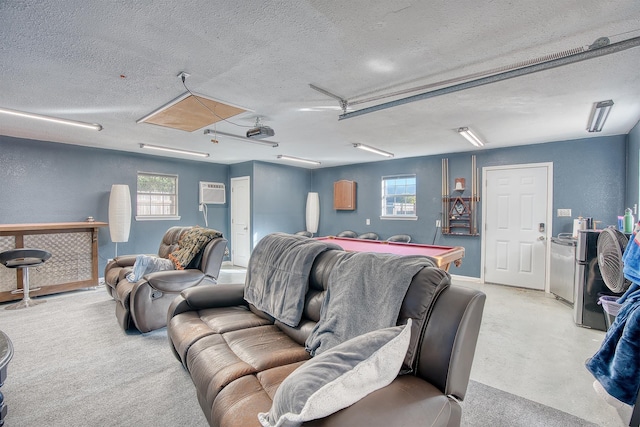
(528, 346)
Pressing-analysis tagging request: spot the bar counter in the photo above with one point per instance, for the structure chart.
(73, 263)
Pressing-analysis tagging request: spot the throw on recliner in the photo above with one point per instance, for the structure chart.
(143, 304)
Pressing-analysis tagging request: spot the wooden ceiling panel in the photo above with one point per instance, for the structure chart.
(189, 114)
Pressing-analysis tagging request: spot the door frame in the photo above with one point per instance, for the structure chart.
(233, 214)
(549, 215)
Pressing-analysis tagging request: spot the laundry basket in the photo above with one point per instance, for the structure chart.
(610, 307)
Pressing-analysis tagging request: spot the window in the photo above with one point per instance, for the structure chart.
(399, 197)
(157, 196)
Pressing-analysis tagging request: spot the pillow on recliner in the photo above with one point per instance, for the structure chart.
(339, 377)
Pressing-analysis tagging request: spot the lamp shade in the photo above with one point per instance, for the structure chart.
(313, 212)
(119, 213)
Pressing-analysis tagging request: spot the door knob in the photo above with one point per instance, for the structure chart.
(246, 228)
(541, 238)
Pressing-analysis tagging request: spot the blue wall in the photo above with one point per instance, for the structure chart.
(278, 197)
(50, 182)
(589, 178)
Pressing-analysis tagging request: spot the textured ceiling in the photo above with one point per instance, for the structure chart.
(113, 62)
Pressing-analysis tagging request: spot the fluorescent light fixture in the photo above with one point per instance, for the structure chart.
(470, 136)
(599, 115)
(298, 159)
(93, 126)
(174, 150)
(373, 150)
(243, 138)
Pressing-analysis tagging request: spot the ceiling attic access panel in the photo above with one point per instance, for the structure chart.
(190, 112)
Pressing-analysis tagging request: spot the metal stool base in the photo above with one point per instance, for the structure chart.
(24, 304)
(24, 258)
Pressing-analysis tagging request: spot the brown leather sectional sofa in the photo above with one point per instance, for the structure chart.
(238, 356)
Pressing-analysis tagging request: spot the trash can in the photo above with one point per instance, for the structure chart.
(610, 307)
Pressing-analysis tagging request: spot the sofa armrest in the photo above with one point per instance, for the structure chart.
(174, 280)
(124, 260)
(118, 262)
(202, 297)
(449, 340)
(221, 295)
(116, 271)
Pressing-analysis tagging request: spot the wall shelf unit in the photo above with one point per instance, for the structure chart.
(460, 219)
(459, 212)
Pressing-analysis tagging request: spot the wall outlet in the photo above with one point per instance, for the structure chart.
(564, 212)
(367, 221)
(437, 223)
(200, 207)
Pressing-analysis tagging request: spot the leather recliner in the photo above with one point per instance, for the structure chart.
(144, 304)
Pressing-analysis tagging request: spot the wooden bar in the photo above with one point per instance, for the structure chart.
(73, 263)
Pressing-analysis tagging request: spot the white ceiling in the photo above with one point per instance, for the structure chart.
(66, 58)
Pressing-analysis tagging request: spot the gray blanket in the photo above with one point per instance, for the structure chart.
(278, 275)
(365, 293)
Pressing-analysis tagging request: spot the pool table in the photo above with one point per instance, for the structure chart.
(442, 255)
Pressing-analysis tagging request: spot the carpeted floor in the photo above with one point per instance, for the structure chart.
(74, 366)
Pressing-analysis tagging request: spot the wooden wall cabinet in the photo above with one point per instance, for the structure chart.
(344, 195)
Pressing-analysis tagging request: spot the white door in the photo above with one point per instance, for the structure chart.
(240, 221)
(516, 219)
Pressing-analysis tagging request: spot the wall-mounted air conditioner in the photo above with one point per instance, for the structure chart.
(212, 193)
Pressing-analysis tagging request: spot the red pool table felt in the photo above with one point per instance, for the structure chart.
(443, 255)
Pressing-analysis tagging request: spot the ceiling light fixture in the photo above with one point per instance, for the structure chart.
(373, 150)
(93, 126)
(470, 136)
(599, 115)
(230, 135)
(298, 159)
(174, 150)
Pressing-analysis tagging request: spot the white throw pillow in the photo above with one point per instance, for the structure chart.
(339, 377)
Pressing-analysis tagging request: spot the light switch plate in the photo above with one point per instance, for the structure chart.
(564, 212)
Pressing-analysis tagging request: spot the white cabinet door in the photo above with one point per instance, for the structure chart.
(240, 221)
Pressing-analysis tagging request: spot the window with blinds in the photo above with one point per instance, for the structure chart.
(399, 197)
(157, 196)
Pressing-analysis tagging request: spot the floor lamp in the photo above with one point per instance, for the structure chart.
(119, 214)
(313, 212)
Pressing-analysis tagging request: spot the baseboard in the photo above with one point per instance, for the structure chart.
(467, 279)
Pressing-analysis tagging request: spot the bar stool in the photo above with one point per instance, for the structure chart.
(24, 258)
